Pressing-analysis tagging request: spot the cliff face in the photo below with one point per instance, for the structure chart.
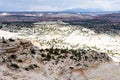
(50, 64)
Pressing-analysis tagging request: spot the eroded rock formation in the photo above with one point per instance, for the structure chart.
(22, 54)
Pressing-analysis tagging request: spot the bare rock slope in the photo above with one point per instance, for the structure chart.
(20, 59)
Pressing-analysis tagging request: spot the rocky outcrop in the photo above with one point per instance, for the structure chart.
(22, 54)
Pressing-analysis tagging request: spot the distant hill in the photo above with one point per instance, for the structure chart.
(66, 15)
(78, 10)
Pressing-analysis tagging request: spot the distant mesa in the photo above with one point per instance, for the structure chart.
(78, 10)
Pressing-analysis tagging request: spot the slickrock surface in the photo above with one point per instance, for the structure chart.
(57, 52)
(21, 60)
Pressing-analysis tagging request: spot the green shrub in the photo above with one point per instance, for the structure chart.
(20, 61)
(30, 67)
(12, 56)
(3, 40)
(32, 51)
(12, 40)
(14, 66)
(43, 55)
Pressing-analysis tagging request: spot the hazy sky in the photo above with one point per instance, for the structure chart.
(53, 5)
